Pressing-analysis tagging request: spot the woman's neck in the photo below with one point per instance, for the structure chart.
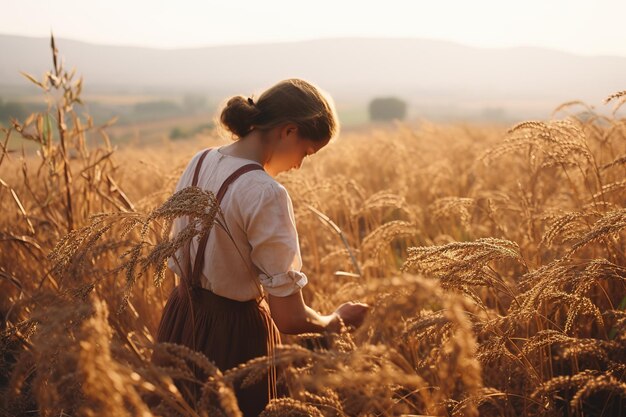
(257, 146)
(248, 147)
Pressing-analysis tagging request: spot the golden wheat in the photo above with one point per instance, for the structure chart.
(493, 260)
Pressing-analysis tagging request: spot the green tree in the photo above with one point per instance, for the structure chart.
(387, 108)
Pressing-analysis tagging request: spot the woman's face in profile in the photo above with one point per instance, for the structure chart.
(290, 149)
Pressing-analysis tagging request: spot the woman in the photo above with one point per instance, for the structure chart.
(245, 284)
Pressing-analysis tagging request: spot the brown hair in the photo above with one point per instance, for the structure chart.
(289, 101)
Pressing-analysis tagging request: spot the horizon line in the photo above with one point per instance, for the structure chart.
(317, 39)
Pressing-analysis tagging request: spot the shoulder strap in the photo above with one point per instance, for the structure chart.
(194, 182)
(199, 261)
(198, 165)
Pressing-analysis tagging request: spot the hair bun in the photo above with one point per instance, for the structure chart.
(292, 100)
(238, 115)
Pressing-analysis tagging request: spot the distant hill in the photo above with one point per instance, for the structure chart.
(422, 71)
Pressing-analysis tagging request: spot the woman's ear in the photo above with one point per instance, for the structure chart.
(289, 128)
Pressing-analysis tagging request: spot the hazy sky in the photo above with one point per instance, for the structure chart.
(589, 27)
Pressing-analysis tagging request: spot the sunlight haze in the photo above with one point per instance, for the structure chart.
(582, 27)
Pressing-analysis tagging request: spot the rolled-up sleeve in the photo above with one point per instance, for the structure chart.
(270, 226)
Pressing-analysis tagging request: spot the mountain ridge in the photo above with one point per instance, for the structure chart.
(421, 70)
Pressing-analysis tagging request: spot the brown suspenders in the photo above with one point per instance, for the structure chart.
(199, 260)
(194, 280)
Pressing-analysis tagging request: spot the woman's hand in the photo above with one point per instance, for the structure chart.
(293, 316)
(351, 313)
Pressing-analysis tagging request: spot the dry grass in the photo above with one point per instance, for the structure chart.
(494, 261)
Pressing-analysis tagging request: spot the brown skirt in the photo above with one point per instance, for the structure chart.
(228, 332)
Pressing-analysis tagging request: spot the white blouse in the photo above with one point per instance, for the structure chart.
(259, 214)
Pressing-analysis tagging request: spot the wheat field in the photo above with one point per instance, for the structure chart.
(493, 258)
